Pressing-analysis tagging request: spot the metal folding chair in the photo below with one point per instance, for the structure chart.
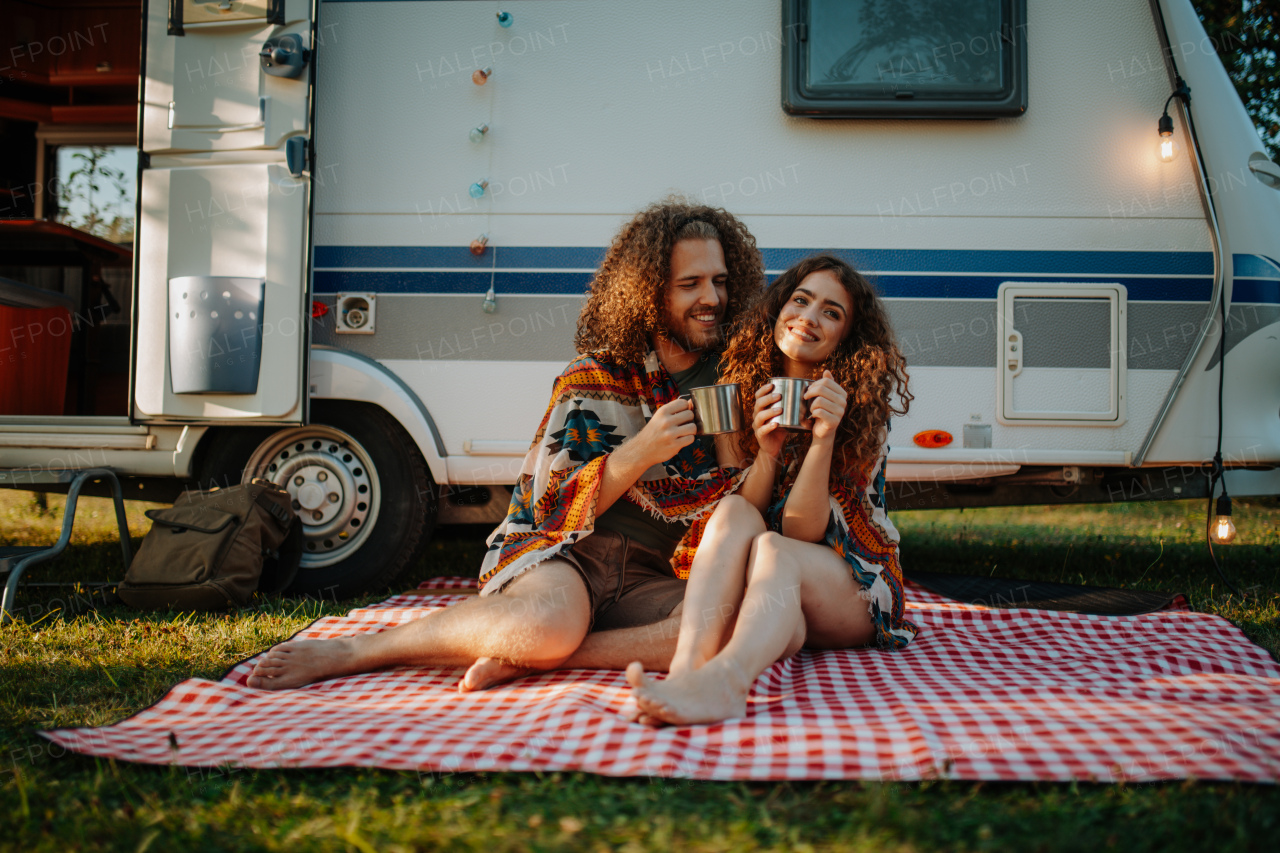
(15, 560)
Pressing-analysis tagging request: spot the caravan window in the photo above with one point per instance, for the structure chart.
(904, 58)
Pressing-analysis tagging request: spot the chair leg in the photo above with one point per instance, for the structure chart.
(68, 521)
(122, 522)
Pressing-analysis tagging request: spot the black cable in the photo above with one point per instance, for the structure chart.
(1183, 93)
(1217, 472)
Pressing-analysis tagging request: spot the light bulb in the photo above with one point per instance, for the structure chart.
(477, 133)
(1168, 148)
(477, 189)
(478, 244)
(505, 19)
(481, 76)
(1224, 529)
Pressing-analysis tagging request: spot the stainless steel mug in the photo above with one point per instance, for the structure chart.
(795, 409)
(716, 408)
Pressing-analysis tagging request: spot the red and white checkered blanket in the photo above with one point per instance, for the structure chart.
(981, 694)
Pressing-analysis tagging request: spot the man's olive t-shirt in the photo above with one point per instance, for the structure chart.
(635, 522)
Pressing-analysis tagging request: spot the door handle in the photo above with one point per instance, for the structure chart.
(284, 56)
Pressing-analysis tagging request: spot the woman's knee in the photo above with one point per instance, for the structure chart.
(737, 515)
(769, 554)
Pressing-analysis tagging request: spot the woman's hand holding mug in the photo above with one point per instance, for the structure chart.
(827, 404)
(764, 421)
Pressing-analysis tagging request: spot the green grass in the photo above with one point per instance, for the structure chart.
(74, 660)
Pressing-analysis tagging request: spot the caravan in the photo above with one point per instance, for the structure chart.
(364, 230)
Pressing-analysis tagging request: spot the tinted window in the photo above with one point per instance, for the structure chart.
(905, 57)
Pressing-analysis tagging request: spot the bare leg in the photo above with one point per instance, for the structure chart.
(717, 582)
(536, 622)
(794, 589)
(652, 645)
(680, 643)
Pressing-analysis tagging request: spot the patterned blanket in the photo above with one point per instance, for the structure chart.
(597, 403)
(1002, 694)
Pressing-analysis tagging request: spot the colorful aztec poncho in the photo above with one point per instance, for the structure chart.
(860, 531)
(597, 403)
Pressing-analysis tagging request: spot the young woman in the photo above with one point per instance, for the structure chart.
(803, 554)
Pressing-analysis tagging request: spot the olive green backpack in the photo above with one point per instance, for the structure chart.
(213, 549)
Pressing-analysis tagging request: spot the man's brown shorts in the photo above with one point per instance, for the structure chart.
(629, 584)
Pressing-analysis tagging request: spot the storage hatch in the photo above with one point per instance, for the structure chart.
(1062, 353)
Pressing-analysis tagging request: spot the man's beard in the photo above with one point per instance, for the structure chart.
(678, 334)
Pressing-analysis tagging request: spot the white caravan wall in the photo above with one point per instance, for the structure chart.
(599, 108)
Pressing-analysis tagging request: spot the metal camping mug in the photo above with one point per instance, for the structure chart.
(716, 408)
(795, 408)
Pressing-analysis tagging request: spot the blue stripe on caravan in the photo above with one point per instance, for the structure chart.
(893, 286)
(1253, 290)
(1252, 265)
(399, 256)
(570, 283)
(335, 281)
(550, 257)
(1048, 262)
(1020, 262)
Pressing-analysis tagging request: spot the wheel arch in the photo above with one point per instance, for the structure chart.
(337, 374)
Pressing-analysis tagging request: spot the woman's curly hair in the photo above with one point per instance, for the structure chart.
(626, 300)
(866, 363)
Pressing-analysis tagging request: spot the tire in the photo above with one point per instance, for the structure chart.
(360, 486)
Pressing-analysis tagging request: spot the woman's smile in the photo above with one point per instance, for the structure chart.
(812, 323)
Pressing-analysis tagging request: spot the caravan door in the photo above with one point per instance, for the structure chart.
(224, 212)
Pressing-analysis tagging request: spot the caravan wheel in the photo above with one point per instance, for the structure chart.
(362, 491)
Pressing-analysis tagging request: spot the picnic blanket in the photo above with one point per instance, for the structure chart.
(981, 693)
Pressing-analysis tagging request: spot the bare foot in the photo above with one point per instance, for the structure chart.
(488, 672)
(301, 662)
(631, 710)
(632, 714)
(717, 691)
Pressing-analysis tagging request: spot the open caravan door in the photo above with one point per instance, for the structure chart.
(224, 212)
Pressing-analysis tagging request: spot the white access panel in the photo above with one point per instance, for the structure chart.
(247, 221)
(1062, 353)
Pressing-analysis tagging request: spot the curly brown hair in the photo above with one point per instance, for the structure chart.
(866, 363)
(626, 300)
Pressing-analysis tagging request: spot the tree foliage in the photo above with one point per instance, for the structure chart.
(1247, 36)
(104, 208)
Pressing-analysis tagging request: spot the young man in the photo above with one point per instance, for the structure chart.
(616, 490)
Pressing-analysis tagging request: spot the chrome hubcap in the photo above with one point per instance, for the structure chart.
(333, 485)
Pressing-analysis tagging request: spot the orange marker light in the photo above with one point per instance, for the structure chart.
(933, 438)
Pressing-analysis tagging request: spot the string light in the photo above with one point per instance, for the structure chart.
(1224, 529)
(1169, 147)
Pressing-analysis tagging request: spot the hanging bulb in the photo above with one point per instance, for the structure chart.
(481, 76)
(1168, 148)
(478, 244)
(505, 19)
(1223, 531)
(490, 301)
(477, 133)
(477, 189)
